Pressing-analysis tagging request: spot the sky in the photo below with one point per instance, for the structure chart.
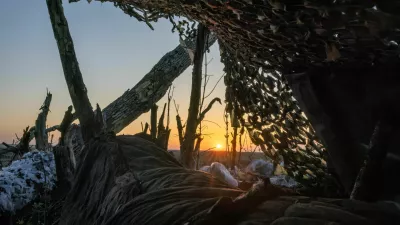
(114, 52)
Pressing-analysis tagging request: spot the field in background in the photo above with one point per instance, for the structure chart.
(208, 157)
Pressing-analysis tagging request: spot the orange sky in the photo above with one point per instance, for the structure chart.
(114, 52)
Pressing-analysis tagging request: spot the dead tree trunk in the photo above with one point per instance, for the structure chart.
(65, 168)
(195, 95)
(159, 134)
(153, 122)
(40, 124)
(65, 123)
(153, 86)
(133, 103)
(180, 129)
(64, 157)
(72, 73)
(39, 132)
(162, 131)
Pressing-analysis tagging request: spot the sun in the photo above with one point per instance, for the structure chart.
(219, 146)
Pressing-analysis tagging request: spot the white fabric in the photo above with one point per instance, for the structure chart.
(205, 169)
(283, 180)
(219, 170)
(260, 167)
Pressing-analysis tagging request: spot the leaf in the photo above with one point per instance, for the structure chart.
(332, 53)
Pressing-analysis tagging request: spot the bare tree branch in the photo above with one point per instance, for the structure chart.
(179, 125)
(170, 95)
(67, 120)
(161, 127)
(212, 90)
(153, 86)
(153, 122)
(72, 73)
(40, 128)
(203, 114)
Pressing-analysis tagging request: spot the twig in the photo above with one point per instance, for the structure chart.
(176, 107)
(252, 153)
(53, 128)
(209, 149)
(209, 61)
(226, 132)
(51, 139)
(203, 114)
(23, 145)
(212, 90)
(205, 81)
(18, 139)
(7, 145)
(170, 95)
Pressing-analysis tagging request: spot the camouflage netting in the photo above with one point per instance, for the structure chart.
(276, 123)
(288, 35)
(262, 39)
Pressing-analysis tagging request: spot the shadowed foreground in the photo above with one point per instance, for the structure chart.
(128, 180)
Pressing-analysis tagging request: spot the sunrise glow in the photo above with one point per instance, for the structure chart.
(219, 146)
